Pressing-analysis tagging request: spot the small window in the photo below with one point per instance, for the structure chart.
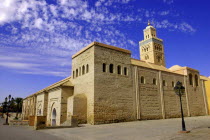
(87, 68)
(83, 70)
(79, 71)
(196, 80)
(159, 58)
(73, 74)
(111, 68)
(154, 81)
(104, 67)
(190, 79)
(142, 80)
(164, 83)
(172, 84)
(125, 71)
(119, 69)
(76, 72)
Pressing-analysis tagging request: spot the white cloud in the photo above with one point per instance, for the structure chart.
(168, 1)
(38, 23)
(164, 13)
(17, 65)
(55, 32)
(184, 27)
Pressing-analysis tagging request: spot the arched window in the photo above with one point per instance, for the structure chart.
(83, 70)
(154, 81)
(79, 71)
(196, 80)
(104, 67)
(87, 68)
(142, 80)
(190, 79)
(164, 83)
(73, 74)
(125, 71)
(118, 69)
(172, 84)
(76, 72)
(111, 68)
(159, 58)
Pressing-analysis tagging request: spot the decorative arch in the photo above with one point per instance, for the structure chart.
(53, 115)
(39, 110)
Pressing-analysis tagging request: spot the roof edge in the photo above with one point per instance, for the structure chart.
(102, 45)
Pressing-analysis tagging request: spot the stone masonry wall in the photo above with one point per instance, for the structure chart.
(113, 92)
(195, 95)
(54, 101)
(84, 83)
(66, 93)
(171, 100)
(150, 104)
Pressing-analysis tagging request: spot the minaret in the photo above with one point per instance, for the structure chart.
(151, 48)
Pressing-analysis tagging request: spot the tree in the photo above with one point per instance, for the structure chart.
(18, 103)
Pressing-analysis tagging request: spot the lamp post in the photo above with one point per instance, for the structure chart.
(8, 102)
(180, 90)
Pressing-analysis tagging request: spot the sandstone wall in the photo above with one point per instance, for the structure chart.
(113, 92)
(207, 88)
(149, 94)
(65, 94)
(84, 83)
(42, 104)
(195, 95)
(54, 101)
(171, 100)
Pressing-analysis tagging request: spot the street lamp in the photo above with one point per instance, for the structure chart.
(180, 90)
(7, 103)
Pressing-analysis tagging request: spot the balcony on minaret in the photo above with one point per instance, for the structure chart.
(150, 32)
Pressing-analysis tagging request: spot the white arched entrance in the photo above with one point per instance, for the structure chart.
(54, 117)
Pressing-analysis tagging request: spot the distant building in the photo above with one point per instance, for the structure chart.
(107, 86)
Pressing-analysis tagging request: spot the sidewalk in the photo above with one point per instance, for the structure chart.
(139, 130)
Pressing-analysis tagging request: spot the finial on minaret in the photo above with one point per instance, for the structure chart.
(149, 23)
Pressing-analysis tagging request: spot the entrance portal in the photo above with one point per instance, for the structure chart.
(54, 117)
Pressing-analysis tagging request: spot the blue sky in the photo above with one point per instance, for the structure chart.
(38, 38)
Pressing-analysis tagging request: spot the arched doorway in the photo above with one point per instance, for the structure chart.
(54, 117)
(40, 112)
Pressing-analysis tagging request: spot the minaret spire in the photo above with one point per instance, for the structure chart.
(149, 23)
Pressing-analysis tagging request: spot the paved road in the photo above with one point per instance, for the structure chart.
(138, 130)
(23, 133)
